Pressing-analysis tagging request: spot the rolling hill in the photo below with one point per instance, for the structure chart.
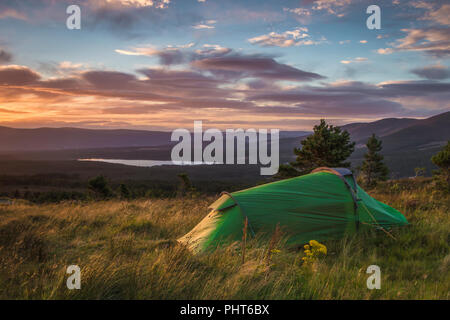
(407, 143)
(75, 138)
(13, 139)
(423, 134)
(401, 134)
(362, 131)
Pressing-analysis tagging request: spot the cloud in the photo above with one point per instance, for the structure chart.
(253, 66)
(177, 77)
(349, 97)
(203, 26)
(334, 7)
(225, 64)
(152, 51)
(157, 85)
(392, 89)
(183, 46)
(356, 60)
(170, 55)
(436, 72)
(212, 50)
(422, 5)
(422, 86)
(363, 41)
(137, 19)
(12, 13)
(70, 65)
(295, 37)
(2, 110)
(298, 11)
(302, 15)
(209, 81)
(109, 79)
(17, 75)
(439, 16)
(433, 41)
(64, 83)
(121, 22)
(385, 50)
(242, 14)
(161, 4)
(138, 52)
(209, 24)
(317, 103)
(169, 89)
(5, 57)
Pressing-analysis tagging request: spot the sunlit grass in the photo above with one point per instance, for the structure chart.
(127, 250)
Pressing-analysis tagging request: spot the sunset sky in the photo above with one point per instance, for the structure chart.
(161, 64)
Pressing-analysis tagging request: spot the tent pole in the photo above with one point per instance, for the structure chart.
(240, 209)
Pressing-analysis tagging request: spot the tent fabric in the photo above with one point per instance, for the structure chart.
(325, 204)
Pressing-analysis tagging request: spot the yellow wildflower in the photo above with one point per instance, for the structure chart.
(313, 252)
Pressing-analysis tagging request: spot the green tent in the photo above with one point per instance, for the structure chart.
(325, 204)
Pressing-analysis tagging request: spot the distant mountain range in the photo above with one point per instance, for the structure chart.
(397, 134)
(404, 134)
(362, 131)
(13, 139)
(407, 143)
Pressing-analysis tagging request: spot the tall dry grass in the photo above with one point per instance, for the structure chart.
(127, 250)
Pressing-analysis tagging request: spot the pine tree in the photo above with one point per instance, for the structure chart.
(99, 185)
(373, 168)
(328, 146)
(17, 194)
(185, 186)
(442, 160)
(124, 191)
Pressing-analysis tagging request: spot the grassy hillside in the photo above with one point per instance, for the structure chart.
(127, 250)
(362, 131)
(76, 138)
(424, 134)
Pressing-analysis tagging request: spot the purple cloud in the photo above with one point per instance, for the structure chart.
(5, 57)
(253, 66)
(17, 75)
(436, 72)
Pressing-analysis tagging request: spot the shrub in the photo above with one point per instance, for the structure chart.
(442, 160)
(99, 185)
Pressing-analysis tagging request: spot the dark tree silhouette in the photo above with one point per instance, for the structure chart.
(124, 191)
(373, 168)
(99, 185)
(328, 146)
(442, 160)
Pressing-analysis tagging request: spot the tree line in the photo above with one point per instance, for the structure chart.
(330, 146)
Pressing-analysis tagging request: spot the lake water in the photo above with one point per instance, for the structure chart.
(146, 163)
